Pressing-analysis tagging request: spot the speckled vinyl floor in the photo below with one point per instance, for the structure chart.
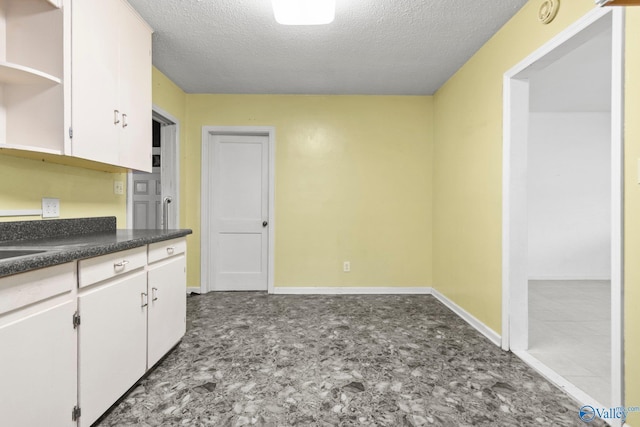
(370, 360)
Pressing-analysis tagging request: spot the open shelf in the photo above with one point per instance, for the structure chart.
(19, 74)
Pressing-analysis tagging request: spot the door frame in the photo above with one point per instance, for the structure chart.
(208, 132)
(514, 187)
(170, 150)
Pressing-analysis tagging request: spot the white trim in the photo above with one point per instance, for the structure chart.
(579, 278)
(365, 290)
(207, 132)
(166, 118)
(558, 380)
(558, 46)
(617, 203)
(514, 240)
(514, 223)
(489, 333)
(193, 289)
(160, 115)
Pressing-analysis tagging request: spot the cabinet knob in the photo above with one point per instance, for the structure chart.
(170, 250)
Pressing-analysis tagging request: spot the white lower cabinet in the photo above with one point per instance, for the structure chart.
(167, 306)
(112, 342)
(38, 348)
(132, 307)
(75, 337)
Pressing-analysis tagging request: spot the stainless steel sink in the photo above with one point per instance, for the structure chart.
(14, 253)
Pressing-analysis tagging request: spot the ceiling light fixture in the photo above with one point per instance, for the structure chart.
(304, 12)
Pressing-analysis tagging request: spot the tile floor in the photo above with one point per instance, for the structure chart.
(569, 331)
(369, 360)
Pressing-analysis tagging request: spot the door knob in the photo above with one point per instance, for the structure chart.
(265, 223)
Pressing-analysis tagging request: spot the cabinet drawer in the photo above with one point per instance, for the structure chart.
(23, 289)
(94, 270)
(165, 249)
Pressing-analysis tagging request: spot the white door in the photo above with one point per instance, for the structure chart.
(239, 204)
(147, 208)
(147, 189)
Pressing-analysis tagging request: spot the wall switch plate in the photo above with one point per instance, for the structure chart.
(346, 267)
(50, 207)
(118, 187)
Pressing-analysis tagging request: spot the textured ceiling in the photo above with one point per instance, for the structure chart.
(385, 47)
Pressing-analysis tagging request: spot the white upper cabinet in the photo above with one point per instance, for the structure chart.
(32, 93)
(75, 80)
(111, 84)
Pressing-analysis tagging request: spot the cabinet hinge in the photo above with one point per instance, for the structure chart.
(70, 132)
(75, 413)
(76, 320)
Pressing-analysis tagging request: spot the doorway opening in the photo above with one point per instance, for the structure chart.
(153, 199)
(237, 208)
(562, 209)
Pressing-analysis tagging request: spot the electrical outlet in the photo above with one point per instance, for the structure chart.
(346, 267)
(118, 187)
(50, 207)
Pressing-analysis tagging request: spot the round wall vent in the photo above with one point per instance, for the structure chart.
(548, 10)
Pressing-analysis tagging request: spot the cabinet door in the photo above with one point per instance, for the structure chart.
(167, 306)
(38, 362)
(94, 91)
(112, 343)
(135, 92)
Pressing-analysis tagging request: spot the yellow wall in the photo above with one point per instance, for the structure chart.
(468, 163)
(353, 182)
(82, 192)
(468, 177)
(632, 213)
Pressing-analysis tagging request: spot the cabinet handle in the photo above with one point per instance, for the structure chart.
(116, 117)
(124, 120)
(144, 301)
(170, 250)
(120, 264)
(154, 294)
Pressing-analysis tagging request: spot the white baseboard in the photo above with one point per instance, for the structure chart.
(599, 278)
(194, 289)
(492, 335)
(388, 290)
(556, 379)
(336, 290)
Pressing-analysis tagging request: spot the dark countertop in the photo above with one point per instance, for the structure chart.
(69, 243)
